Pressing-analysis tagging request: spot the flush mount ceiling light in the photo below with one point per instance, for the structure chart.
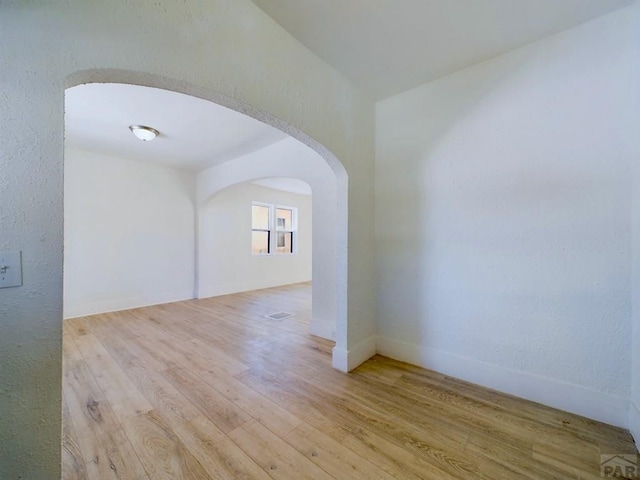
(144, 133)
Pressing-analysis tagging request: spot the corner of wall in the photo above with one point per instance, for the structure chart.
(576, 399)
(347, 360)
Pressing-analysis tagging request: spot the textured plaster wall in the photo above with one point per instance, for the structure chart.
(503, 197)
(226, 262)
(224, 50)
(129, 234)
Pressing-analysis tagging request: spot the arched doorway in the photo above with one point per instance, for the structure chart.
(313, 164)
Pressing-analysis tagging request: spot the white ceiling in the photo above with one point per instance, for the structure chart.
(194, 134)
(384, 46)
(389, 46)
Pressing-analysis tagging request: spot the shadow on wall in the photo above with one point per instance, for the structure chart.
(502, 221)
(406, 195)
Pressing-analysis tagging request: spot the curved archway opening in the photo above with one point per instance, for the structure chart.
(293, 155)
(315, 254)
(258, 235)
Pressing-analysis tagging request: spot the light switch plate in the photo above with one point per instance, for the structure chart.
(10, 269)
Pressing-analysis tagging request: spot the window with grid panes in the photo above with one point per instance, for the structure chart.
(273, 229)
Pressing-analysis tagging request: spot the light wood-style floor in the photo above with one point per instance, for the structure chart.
(210, 389)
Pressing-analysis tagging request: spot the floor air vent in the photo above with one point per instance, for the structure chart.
(279, 315)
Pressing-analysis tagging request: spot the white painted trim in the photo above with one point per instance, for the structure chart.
(634, 422)
(127, 303)
(611, 409)
(347, 360)
(339, 359)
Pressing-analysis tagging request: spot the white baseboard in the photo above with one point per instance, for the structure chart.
(230, 289)
(125, 303)
(346, 360)
(634, 422)
(593, 404)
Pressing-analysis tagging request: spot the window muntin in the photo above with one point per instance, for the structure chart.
(273, 229)
(284, 230)
(260, 229)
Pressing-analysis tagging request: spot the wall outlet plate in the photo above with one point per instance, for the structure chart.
(10, 269)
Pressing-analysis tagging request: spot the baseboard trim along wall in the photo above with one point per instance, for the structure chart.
(126, 303)
(206, 292)
(610, 409)
(347, 360)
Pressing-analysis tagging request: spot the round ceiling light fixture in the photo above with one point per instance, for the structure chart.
(144, 133)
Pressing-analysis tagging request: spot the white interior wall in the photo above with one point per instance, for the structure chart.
(145, 230)
(215, 50)
(291, 158)
(129, 234)
(226, 264)
(634, 407)
(502, 220)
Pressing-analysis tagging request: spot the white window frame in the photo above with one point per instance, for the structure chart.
(274, 230)
(293, 231)
(269, 229)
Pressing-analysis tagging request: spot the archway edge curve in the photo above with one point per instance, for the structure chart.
(111, 75)
(153, 80)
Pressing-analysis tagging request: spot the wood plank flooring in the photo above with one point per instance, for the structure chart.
(211, 389)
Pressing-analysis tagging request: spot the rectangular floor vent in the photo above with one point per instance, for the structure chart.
(279, 315)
